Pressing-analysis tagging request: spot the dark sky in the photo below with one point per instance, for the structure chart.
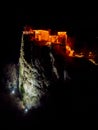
(76, 20)
(58, 17)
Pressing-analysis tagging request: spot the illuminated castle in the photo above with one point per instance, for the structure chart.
(44, 36)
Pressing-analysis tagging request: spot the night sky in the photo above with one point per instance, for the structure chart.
(74, 18)
(78, 21)
(60, 18)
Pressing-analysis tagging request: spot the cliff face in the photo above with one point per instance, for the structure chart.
(59, 87)
(38, 70)
(32, 81)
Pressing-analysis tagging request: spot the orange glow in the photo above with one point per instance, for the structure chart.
(41, 35)
(45, 38)
(69, 44)
(62, 37)
(62, 33)
(44, 35)
(69, 51)
(53, 38)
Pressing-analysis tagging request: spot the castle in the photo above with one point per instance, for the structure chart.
(45, 37)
